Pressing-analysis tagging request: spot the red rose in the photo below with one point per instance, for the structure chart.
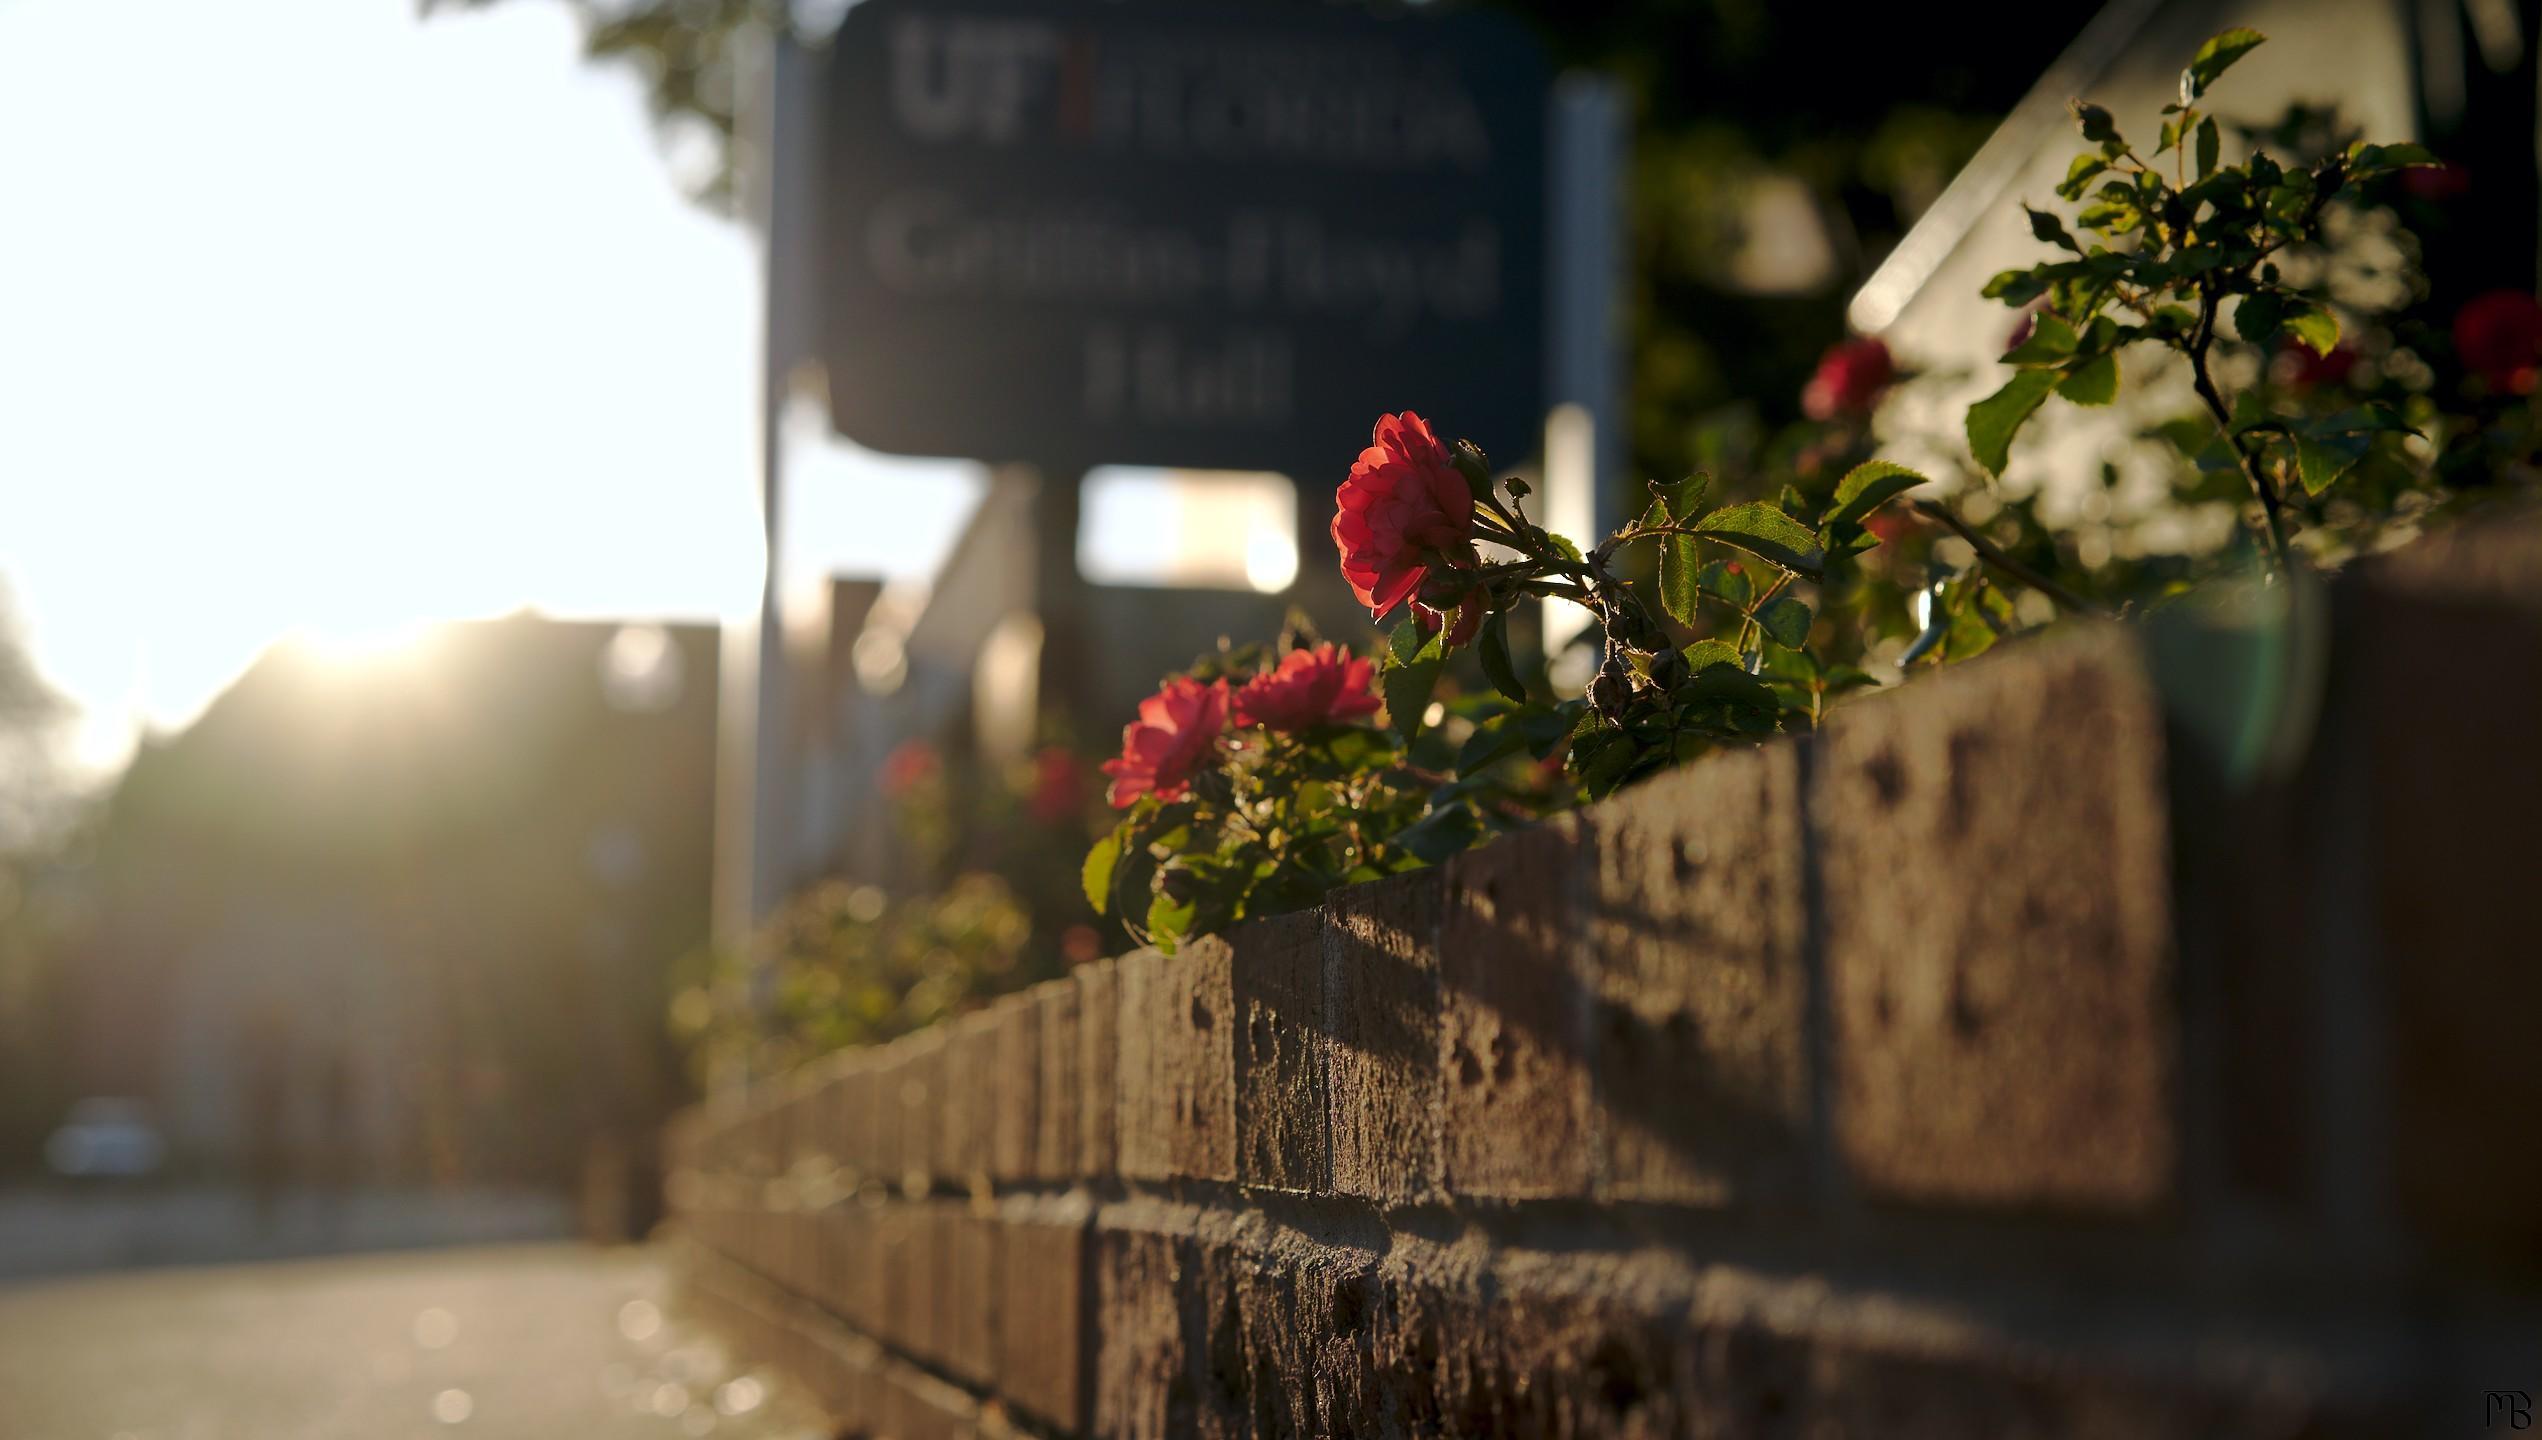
(2499, 337)
(2436, 183)
(1059, 790)
(1308, 688)
(1177, 728)
(911, 764)
(1402, 510)
(1850, 377)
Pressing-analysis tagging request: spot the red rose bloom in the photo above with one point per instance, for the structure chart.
(1850, 377)
(2499, 337)
(1176, 729)
(1308, 688)
(1403, 507)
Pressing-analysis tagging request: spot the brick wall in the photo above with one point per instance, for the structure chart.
(2067, 1044)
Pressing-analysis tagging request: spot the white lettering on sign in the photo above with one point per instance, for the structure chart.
(969, 79)
(1002, 82)
(925, 243)
(1155, 375)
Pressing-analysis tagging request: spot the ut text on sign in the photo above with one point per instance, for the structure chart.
(1202, 235)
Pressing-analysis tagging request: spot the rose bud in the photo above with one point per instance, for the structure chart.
(1667, 668)
(1610, 692)
(1470, 462)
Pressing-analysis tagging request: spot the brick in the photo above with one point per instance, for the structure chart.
(1044, 1359)
(2454, 821)
(1698, 923)
(969, 1304)
(1142, 1385)
(1514, 1019)
(1098, 1065)
(852, 1119)
(1381, 1015)
(968, 1141)
(1277, 983)
(913, 1278)
(852, 1269)
(918, 1406)
(1015, 1090)
(1996, 872)
(918, 1118)
(1056, 1133)
(1177, 1065)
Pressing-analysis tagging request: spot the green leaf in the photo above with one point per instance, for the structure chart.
(1866, 488)
(1442, 833)
(1680, 572)
(1404, 642)
(2317, 328)
(1764, 531)
(2321, 459)
(1720, 580)
(2051, 342)
(1993, 421)
(2049, 230)
(2210, 146)
(1168, 922)
(1494, 652)
(2017, 287)
(1786, 620)
(2093, 381)
(1096, 876)
(1705, 654)
(1489, 742)
(2080, 174)
(1679, 501)
(1562, 543)
(2368, 159)
(1409, 683)
(2214, 58)
(2259, 317)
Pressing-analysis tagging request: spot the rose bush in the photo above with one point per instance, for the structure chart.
(1728, 613)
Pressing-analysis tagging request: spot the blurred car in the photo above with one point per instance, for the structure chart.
(105, 1138)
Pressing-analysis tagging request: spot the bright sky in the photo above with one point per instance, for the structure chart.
(316, 316)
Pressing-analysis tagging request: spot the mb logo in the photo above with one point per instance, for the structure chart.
(2512, 1407)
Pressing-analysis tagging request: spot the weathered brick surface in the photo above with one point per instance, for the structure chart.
(2455, 827)
(1698, 923)
(1281, 1113)
(967, 1146)
(1381, 1015)
(1996, 881)
(1098, 1069)
(1514, 1019)
(1015, 1090)
(1056, 1137)
(1177, 1066)
(974, 1247)
(1450, 1158)
(918, 1144)
(1044, 1357)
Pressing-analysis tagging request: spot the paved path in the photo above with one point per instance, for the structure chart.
(545, 1342)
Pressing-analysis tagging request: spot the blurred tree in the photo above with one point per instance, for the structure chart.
(1779, 151)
